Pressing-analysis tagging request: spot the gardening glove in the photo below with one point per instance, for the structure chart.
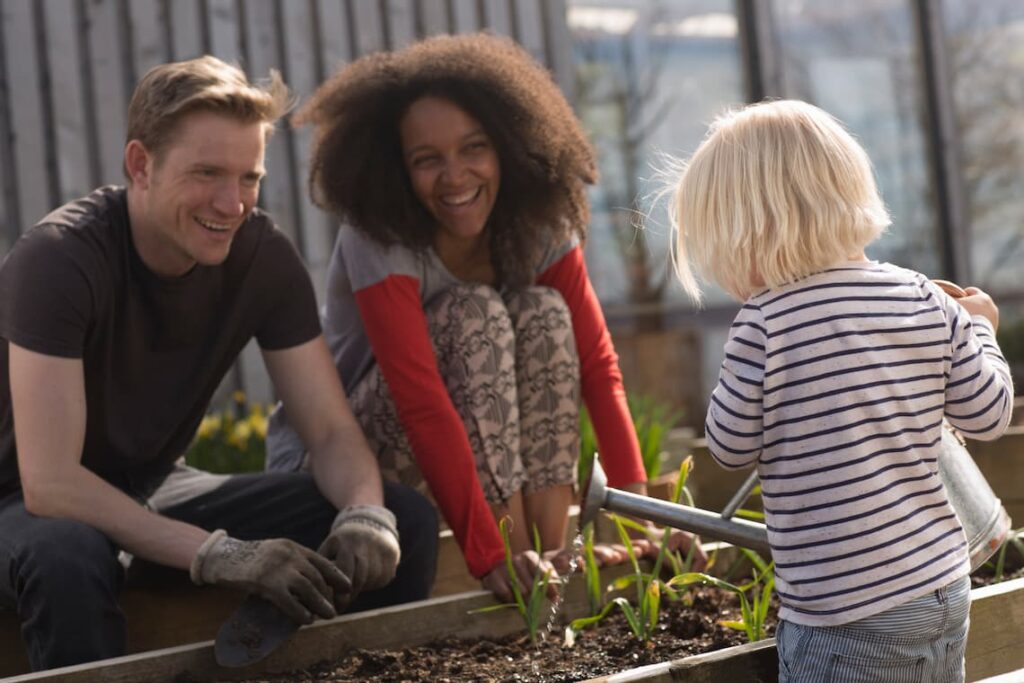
(294, 578)
(363, 544)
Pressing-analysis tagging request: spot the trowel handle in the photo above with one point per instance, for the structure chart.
(740, 497)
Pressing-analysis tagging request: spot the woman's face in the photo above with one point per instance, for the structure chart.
(453, 166)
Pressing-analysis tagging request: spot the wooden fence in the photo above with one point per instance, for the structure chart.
(68, 67)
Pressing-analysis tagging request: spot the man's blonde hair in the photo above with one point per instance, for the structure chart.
(168, 92)
(776, 191)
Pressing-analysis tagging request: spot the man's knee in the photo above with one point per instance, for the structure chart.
(64, 555)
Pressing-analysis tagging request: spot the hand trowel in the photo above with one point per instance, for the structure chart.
(252, 632)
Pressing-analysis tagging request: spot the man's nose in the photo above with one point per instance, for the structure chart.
(228, 200)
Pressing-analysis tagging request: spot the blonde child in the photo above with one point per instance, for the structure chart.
(838, 373)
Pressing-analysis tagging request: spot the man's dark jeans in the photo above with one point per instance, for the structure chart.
(63, 577)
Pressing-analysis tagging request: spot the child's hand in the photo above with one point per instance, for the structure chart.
(978, 302)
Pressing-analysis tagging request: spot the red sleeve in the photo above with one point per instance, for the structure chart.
(600, 376)
(396, 327)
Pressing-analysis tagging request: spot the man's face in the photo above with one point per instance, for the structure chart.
(196, 192)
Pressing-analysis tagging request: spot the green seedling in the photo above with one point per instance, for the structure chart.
(591, 573)
(643, 617)
(1015, 539)
(530, 609)
(652, 421)
(755, 609)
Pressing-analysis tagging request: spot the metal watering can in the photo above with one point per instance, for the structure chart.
(980, 512)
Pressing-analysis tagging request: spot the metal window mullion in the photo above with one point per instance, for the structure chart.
(944, 143)
(760, 53)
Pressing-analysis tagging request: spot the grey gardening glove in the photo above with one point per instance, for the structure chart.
(363, 544)
(294, 578)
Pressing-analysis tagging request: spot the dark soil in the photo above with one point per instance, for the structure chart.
(684, 630)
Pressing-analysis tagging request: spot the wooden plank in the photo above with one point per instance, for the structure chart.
(25, 81)
(278, 190)
(335, 46)
(466, 16)
(254, 378)
(400, 18)
(186, 20)
(222, 20)
(149, 38)
(110, 85)
(997, 630)
(74, 169)
(497, 16)
(314, 227)
(750, 662)
(368, 26)
(529, 27)
(432, 18)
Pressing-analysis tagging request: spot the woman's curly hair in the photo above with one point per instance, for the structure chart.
(357, 170)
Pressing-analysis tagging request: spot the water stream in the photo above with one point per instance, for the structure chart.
(551, 625)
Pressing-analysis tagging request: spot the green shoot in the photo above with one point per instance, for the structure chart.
(754, 609)
(591, 574)
(1016, 539)
(530, 608)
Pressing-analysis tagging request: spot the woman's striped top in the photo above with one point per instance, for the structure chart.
(836, 386)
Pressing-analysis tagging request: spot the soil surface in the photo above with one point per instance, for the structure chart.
(684, 630)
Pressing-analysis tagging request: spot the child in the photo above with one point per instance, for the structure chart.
(838, 373)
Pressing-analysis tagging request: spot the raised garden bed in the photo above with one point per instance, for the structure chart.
(997, 625)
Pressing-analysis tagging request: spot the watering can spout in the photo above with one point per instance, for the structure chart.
(710, 524)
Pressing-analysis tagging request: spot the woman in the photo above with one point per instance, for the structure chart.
(459, 310)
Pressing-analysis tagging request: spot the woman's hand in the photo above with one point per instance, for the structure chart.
(528, 565)
(978, 302)
(679, 541)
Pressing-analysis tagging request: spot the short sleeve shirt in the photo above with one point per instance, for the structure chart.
(153, 349)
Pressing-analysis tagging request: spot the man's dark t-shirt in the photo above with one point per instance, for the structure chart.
(154, 349)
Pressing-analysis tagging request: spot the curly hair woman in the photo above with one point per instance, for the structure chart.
(459, 311)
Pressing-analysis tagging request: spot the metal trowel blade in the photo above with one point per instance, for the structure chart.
(251, 633)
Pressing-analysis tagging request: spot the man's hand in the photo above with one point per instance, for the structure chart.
(978, 302)
(527, 566)
(295, 579)
(363, 544)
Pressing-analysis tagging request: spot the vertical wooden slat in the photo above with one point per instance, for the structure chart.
(304, 77)
(497, 16)
(149, 36)
(401, 18)
(69, 100)
(222, 16)
(433, 17)
(9, 212)
(186, 29)
(278, 190)
(368, 28)
(558, 45)
(109, 85)
(529, 27)
(25, 91)
(465, 16)
(335, 47)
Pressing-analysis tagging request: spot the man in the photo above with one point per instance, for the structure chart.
(119, 314)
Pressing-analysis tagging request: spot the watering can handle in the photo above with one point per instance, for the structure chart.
(740, 497)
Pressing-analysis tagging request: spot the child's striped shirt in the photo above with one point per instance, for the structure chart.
(836, 386)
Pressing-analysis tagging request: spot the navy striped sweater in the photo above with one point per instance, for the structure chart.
(836, 386)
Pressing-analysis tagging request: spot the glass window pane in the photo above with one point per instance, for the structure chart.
(650, 75)
(986, 56)
(859, 61)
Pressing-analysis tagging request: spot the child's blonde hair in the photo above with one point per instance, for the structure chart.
(776, 191)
